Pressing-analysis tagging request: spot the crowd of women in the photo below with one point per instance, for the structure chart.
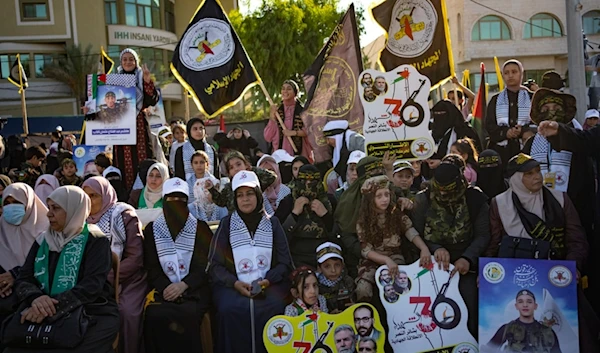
(90, 272)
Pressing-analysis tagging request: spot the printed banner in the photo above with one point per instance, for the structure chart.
(84, 157)
(396, 113)
(331, 85)
(527, 303)
(113, 99)
(155, 114)
(417, 34)
(320, 332)
(425, 311)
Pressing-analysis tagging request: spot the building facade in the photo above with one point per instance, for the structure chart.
(533, 32)
(39, 30)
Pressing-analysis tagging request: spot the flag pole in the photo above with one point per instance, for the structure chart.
(22, 92)
(270, 100)
(187, 105)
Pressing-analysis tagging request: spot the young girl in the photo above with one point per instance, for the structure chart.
(69, 176)
(468, 152)
(200, 166)
(179, 137)
(379, 227)
(305, 290)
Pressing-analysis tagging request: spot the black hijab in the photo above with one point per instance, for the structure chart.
(197, 144)
(490, 178)
(176, 213)
(253, 218)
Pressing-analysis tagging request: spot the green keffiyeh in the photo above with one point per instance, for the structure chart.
(67, 270)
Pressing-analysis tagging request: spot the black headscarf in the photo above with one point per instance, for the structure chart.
(176, 213)
(197, 144)
(143, 169)
(489, 177)
(253, 218)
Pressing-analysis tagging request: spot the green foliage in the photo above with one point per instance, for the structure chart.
(72, 69)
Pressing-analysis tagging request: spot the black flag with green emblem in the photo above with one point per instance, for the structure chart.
(211, 62)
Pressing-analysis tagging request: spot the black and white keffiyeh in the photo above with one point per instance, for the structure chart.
(552, 161)
(252, 255)
(112, 225)
(502, 108)
(188, 151)
(175, 257)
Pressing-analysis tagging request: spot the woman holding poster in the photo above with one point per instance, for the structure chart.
(127, 158)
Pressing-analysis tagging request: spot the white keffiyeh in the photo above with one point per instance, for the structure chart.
(251, 255)
(112, 225)
(552, 161)
(188, 151)
(175, 257)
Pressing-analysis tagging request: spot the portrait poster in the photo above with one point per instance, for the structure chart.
(425, 310)
(84, 157)
(527, 302)
(115, 110)
(155, 114)
(396, 113)
(320, 332)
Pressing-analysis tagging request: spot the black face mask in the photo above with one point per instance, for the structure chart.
(176, 214)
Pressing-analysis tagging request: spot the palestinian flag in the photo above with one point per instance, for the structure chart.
(480, 106)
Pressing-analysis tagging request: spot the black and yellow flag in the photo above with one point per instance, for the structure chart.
(331, 83)
(211, 62)
(17, 75)
(418, 35)
(105, 63)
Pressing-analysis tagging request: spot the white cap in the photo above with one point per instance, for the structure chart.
(282, 156)
(244, 178)
(355, 156)
(327, 251)
(59, 128)
(592, 113)
(164, 131)
(266, 157)
(176, 185)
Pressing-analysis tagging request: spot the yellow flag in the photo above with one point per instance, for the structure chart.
(499, 74)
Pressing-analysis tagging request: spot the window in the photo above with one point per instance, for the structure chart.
(490, 78)
(34, 10)
(110, 12)
(490, 28)
(143, 13)
(39, 61)
(535, 75)
(153, 58)
(114, 52)
(7, 61)
(542, 25)
(591, 22)
(169, 16)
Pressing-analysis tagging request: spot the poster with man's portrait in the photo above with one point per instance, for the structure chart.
(527, 303)
(112, 100)
(84, 157)
(155, 114)
(356, 329)
(425, 311)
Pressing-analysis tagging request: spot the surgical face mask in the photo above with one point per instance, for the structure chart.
(13, 213)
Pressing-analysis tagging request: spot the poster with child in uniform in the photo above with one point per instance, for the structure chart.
(396, 112)
(113, 100)
(527, 305)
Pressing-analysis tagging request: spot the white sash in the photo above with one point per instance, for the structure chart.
(175, 257)
(188, 151)
(112, 225)
(251, 256)
(552, 161)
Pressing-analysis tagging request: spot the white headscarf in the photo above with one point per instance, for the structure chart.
(139, 77)
(16, 241)
(339, 138)
(44, 190)
(532, 202)
(77, 205)
(153, 195)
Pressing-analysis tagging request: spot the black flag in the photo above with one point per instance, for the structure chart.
(17, 75)
(105, 63)
(210, 61)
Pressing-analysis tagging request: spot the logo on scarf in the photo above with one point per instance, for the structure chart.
(245, 265)
(560, 276)
(412, 28)
(170, 267)
(280, 332)
(207, 44)
(262, 262)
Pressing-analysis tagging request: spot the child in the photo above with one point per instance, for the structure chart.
(178, 141)
(200, 165)
(468, 152)
(31, 169)
(305, 290)
(69, 176)
(379, 227)
(403, 176)
(235, 162)
(104, 166)
(334, 284)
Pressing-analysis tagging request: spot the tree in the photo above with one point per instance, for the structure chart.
(283, 37)
(72, 69)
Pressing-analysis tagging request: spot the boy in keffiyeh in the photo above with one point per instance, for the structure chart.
(334, 283)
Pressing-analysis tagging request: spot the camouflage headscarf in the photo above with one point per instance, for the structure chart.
(308, 184)
(346, 213)
(447, 220)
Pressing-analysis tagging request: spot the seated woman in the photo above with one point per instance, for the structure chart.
(24, 218)
(176, 250)
(248, 234)
(44, 185)
(121, 225)
(46, 286)
(150, 196)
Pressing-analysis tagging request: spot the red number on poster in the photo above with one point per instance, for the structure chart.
(396, 102)
(423, 300)
(305, 345)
